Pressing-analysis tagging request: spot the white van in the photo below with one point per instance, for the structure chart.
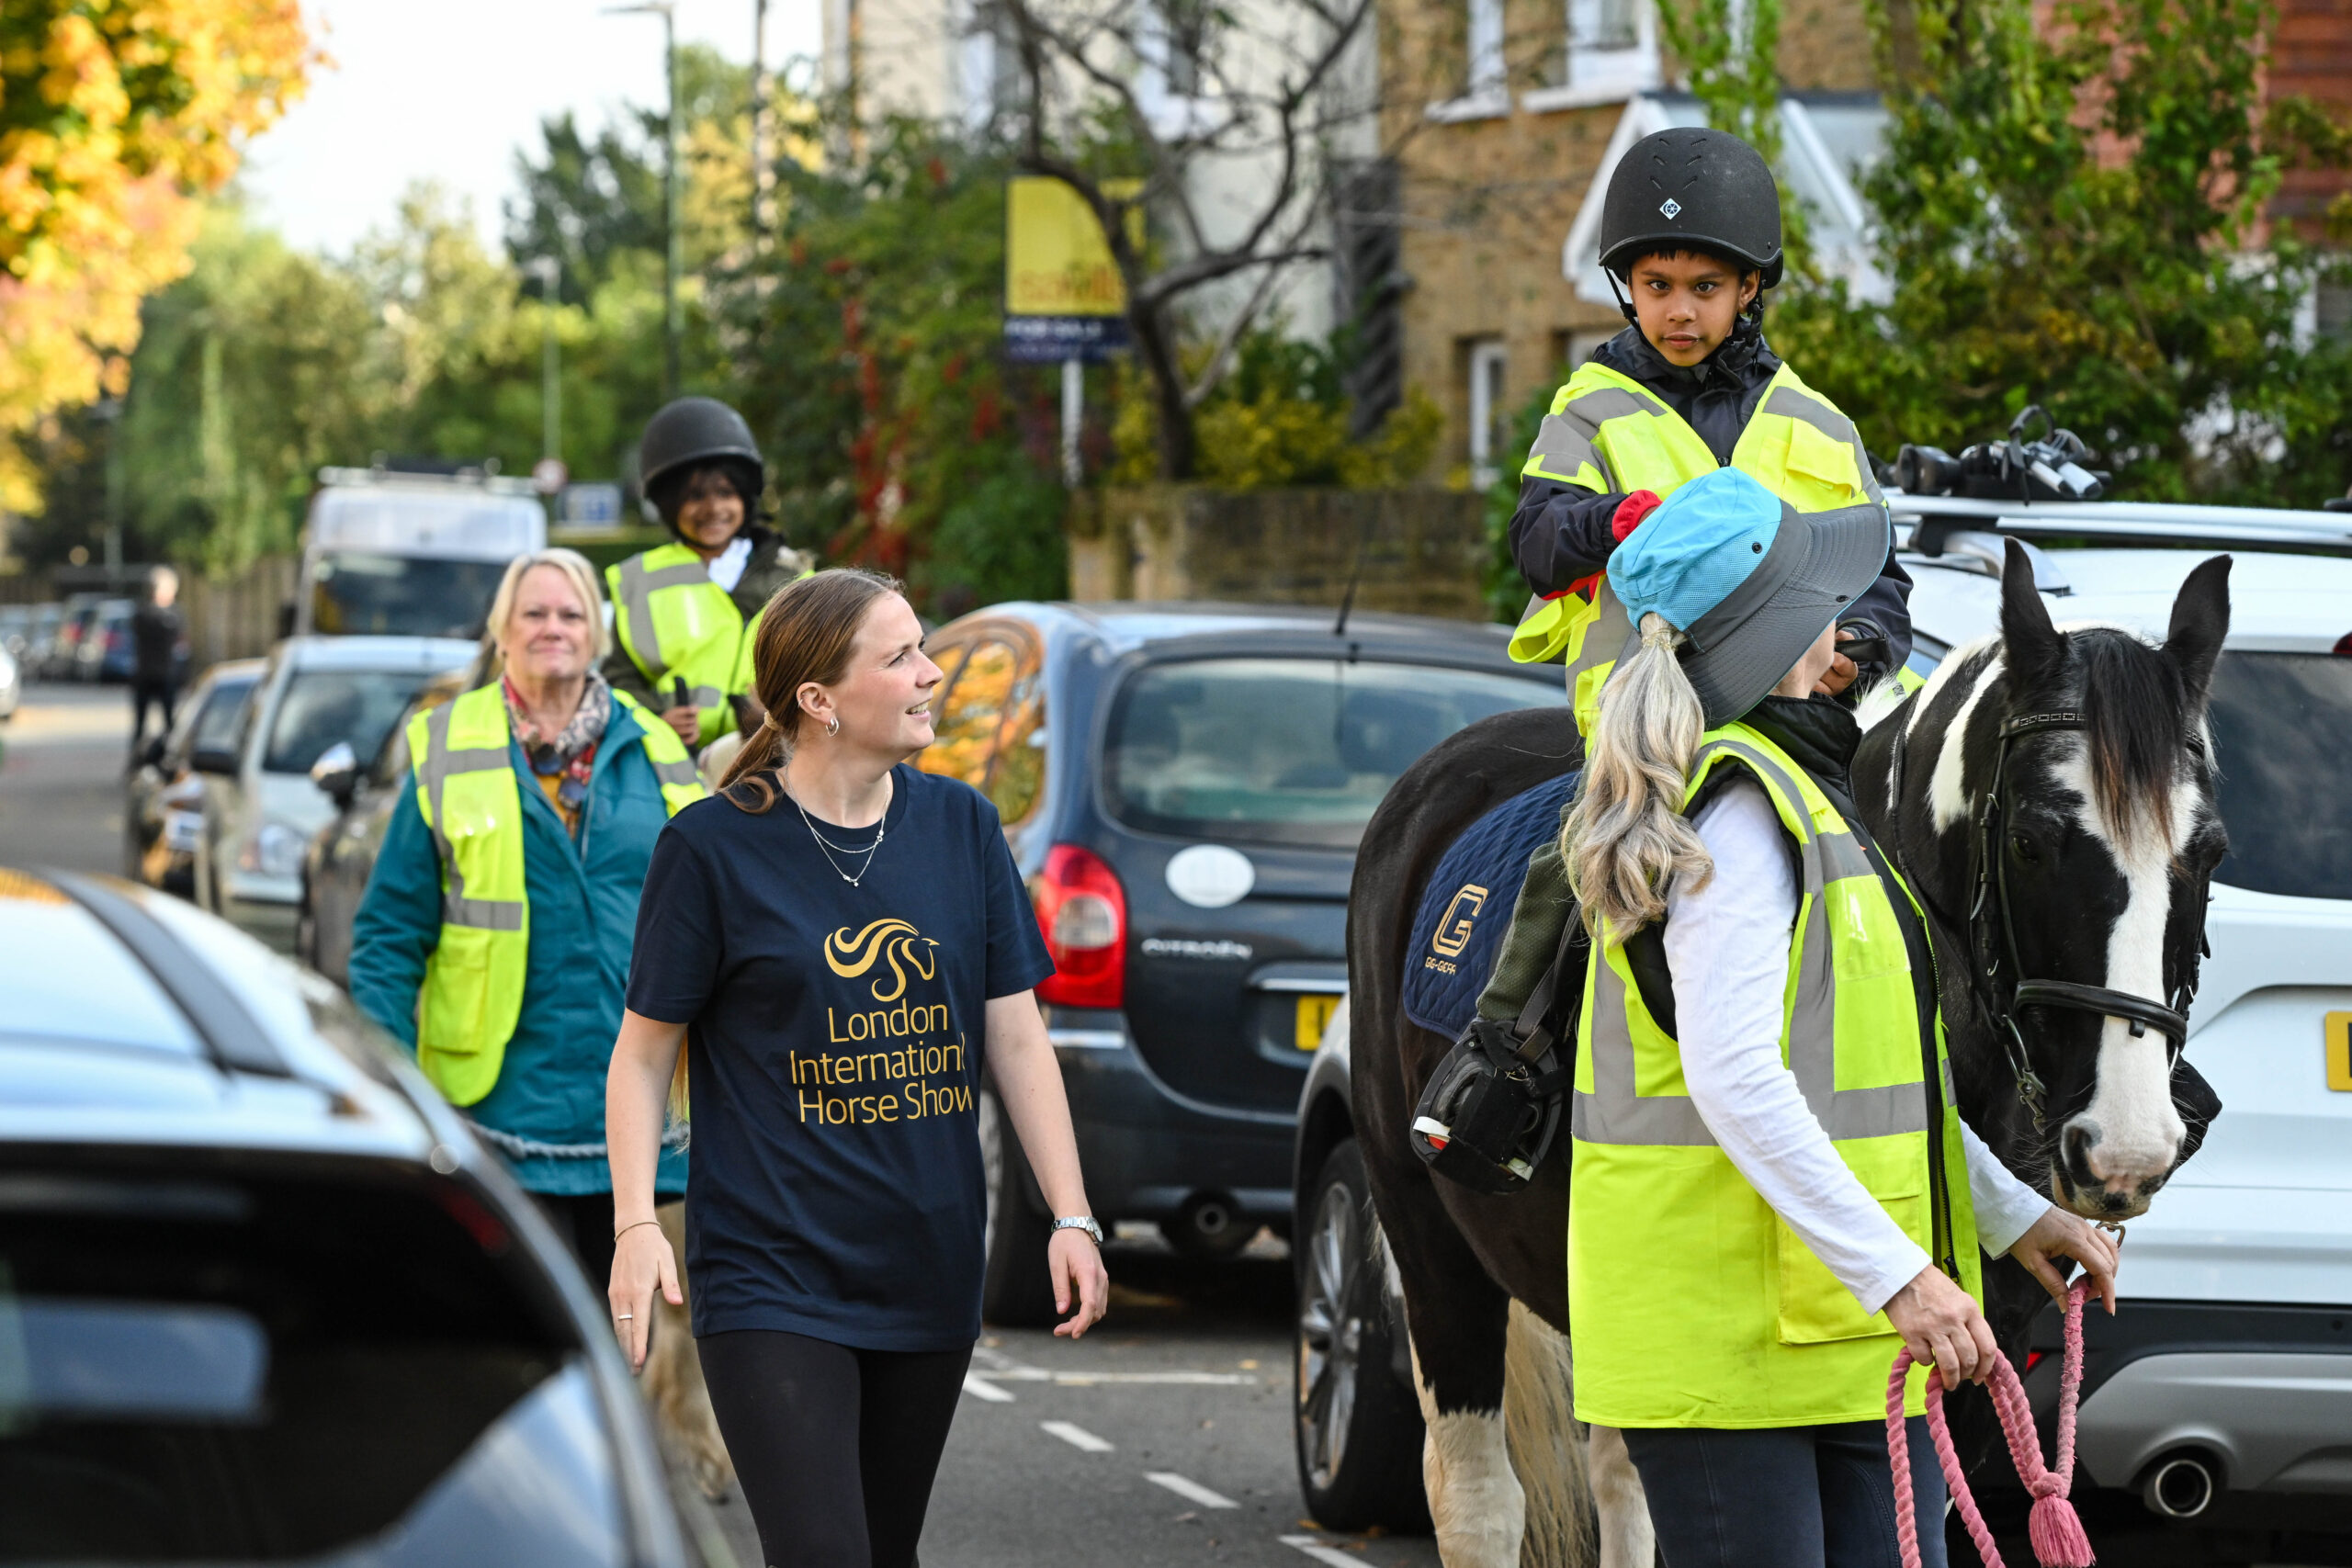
(389, 553)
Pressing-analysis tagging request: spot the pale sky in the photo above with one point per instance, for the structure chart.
(447, 89)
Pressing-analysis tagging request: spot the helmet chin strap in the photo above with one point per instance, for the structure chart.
(1622, 303)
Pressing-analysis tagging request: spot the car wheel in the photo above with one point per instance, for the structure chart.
(1016, 1291)
(1358, 1429)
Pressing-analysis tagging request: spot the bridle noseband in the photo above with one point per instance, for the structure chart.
(1995, 973)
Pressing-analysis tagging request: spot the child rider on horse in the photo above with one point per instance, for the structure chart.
(1771, 1185)
(1691, 226)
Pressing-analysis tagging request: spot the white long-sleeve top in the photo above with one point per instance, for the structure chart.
(1728, 944)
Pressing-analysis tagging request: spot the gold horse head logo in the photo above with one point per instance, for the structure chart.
(1452, 933)
(890, 941)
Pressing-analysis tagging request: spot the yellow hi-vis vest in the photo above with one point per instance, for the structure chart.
(1607, 432)
(470, 798)
(674, 622)
(1690, 1304)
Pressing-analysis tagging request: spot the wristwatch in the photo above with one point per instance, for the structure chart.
(1080, 1222)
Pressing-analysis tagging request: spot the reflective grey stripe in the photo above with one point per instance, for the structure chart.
(704, 697)
(679, 773)
(1790, 403)
(484, 914)
(434, 771)
(1612, 1113)
(1605, 638)
(636, 593)
(1563, 445)
(1610, 402)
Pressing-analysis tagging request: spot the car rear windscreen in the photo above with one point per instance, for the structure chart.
(357, 594)
(1286, 751)
(205, 1364)
(322, 707)
(2282, 736)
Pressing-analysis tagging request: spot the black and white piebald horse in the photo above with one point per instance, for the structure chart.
(2050, 796)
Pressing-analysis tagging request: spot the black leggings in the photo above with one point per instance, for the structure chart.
(835, 1448)
(1785, 1497)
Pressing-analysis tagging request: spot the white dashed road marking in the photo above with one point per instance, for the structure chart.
(1320, 1553)
(1190, 1490)
(979, 1387)
(1076, 1437)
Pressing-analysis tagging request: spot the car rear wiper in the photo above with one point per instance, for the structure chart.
(230, 1034)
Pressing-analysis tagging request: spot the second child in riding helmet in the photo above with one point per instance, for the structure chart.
(682, 612)
(1690, 225)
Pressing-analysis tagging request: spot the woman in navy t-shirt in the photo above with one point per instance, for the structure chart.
(839, 942)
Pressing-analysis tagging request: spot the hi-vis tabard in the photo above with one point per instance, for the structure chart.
(1690, 1304)
(470, 798)
(674, 621)
(1607, 432)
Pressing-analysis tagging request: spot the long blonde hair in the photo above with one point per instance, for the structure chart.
(1626, 838)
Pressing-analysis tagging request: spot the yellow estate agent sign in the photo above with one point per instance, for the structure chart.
(1056, 261)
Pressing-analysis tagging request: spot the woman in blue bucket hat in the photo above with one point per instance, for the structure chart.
(1773, 1188)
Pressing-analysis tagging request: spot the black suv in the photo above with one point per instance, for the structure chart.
(1184, 787)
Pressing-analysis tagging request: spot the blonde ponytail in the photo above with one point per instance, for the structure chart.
(1626, 838)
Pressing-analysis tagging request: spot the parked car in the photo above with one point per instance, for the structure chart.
(12, 685)
(342, 854)
(106, 651)
(15, 629)
(1184, 787)
(260, 814)
(265, 1297)
(163, 815)
(29, 638)
(2213, 1428)
(74, 617)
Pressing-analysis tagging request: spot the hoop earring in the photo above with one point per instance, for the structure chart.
(832, 727)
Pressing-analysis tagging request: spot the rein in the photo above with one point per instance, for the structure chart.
(1991, 932)
(2054, 1527)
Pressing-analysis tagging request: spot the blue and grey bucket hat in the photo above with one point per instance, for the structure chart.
(1747, 579)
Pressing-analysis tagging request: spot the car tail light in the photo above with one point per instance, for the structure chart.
(2344, 644)
(1082, 911)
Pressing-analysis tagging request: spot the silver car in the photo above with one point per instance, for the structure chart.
(260, 806)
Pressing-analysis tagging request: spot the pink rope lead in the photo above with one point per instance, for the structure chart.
(2054, 1529)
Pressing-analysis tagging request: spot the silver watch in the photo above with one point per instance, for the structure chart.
(1080, 1222)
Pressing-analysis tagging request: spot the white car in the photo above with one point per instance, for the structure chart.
(259, 815)
(2223, 1392)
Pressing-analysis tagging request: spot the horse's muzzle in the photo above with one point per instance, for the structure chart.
(2100, 1182)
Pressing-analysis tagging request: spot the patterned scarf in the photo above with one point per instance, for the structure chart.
(572, 751)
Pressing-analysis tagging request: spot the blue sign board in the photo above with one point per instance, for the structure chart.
(1048, 340)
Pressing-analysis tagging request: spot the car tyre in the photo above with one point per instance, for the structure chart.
(1015, 1290)
(1357, 1430)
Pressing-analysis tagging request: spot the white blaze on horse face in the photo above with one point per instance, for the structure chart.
(2134, 1129)
(1947, 792)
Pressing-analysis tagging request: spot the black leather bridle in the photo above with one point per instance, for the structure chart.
(1995, 973)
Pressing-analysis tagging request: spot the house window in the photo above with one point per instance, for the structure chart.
(1490, 414)
(1485, 42)
(1608, 49)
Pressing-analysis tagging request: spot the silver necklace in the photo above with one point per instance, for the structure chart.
(827, 848)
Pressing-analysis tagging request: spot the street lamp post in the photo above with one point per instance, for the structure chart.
(549, 272)
(674, 252)
(763, 124)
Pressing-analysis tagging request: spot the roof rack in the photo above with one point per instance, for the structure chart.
(1935, 518)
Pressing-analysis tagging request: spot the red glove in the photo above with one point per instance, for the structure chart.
(1630, 513)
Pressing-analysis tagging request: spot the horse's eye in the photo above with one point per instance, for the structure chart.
(2022, 847)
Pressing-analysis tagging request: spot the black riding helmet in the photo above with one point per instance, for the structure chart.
(692, 434)
(1691, 189)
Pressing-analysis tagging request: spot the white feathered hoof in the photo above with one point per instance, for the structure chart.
(1475, 1497)
(672, 1378)
(1624, 1509)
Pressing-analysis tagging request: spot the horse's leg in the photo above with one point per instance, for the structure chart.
(1546, 1449)
(1627, 1539)
(1458, 1320)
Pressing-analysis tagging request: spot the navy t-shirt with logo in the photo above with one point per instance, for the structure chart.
(834, 1045)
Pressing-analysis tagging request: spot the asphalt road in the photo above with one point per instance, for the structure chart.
(1161, 1439)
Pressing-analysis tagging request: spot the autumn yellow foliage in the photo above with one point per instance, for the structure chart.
(116, 116)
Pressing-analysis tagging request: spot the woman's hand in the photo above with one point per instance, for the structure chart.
(1941, 1324)
(2061, 1234)
(641, 1262)
(686, 721)
(1075, 1264)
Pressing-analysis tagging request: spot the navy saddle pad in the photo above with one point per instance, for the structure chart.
(1466, 908)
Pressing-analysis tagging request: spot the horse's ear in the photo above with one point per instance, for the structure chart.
(2200, 620)
(2031, 643)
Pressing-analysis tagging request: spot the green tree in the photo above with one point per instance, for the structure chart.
(2071, 208)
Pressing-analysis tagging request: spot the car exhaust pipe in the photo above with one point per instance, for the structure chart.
(1211, 1217)
(2180, 1487)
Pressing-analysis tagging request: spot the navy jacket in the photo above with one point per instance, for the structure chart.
(1561, 533)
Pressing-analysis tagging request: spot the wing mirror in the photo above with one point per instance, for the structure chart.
(213, 760)
(337, 773)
